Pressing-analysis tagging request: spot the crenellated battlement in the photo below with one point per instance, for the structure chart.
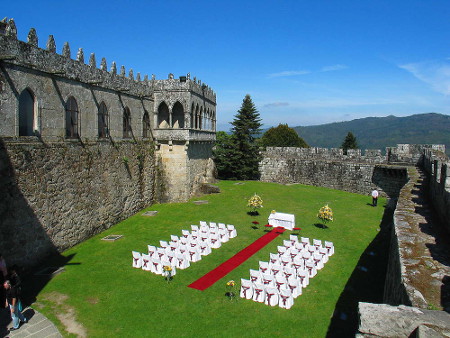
(30, 55)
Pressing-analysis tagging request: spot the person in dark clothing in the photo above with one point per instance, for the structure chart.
(12, 300)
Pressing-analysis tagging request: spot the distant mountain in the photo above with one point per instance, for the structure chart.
(381, 132)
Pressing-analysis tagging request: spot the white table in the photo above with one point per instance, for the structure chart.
(279, 219)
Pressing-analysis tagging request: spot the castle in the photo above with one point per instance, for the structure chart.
(82, 148)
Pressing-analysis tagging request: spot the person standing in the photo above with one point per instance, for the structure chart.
(12, 300)
(374, 197)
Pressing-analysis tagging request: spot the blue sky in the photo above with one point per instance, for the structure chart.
(303, 62)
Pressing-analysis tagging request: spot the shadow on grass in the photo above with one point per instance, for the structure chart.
(253, 213)
(366, 283)
(320, 226)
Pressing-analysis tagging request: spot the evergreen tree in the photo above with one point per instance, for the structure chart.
(349, 143)
(282, 136)
(223, 153)
(246, 124)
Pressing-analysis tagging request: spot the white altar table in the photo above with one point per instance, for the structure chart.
(279, 219)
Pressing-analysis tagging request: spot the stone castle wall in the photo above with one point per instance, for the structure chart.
(57, 195)
(330, 168)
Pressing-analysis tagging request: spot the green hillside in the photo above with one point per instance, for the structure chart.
(382, 132)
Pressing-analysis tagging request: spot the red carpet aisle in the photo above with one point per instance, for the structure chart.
(226, 267)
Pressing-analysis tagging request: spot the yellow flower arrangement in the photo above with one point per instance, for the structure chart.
(230, 287)
(231, 283)
(325, 214)
(255, 202)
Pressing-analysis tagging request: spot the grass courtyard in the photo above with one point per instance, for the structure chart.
(107, 297)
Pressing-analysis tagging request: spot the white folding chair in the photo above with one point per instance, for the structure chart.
(259, 293)
(287, 243)
(174, 238)
(268, 279)
(194, 228)
(223, 235)
(311, 268)
(264, 267)
(286, 300)
(232, 232)
(215, 242)
(272, 296)
(173, 245)
(304, 240)
(276, 269)
(317, 243)
(146, 262)
(156, 266)
(205, 248)
(183, 262)
(194, 255)
(203, 224)
(317, 258)
(306, 255)
(311, 249)
(137, 259)
(293, 239)
(195, 235)
(221, 226)
(274, 258)
(171, 257)
(298, 264)
(293, 253)
(151, 250)
(246, 290)
(183, 241)
(288, 272)
(304, 277)
(295, 286)
(324, 252)
(212, 225)
(255, 276)
(186, 234)
(286, 260)
(330, 248)
(161, 252)
(182, 249)
(281, 250)
(163, 244)
(280, 281)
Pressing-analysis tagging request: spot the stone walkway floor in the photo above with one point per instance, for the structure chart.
(38, 325)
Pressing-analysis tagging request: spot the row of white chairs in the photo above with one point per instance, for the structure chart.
(280, 281)
(270, 294)
(179, 252)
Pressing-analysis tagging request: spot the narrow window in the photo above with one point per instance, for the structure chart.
(103, 131)
(145, 125)
(178, 116)
(127, 123)
(71, 118)
(163, 116)
(26, 113)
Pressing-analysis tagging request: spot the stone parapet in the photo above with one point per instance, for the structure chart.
(164, 135)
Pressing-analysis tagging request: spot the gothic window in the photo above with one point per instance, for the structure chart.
(196, 117)
(103, 130)
(145, 125)
(71, 118)
(127, 123)
(26, 113)
(178, 116)
(200, 118)
(163, 116)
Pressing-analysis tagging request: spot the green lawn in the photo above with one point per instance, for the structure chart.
(111, 298)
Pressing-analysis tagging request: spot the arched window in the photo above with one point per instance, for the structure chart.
(163, 116)
(26, 113)
(196, 117)
(71, 118)
(177, 115)
(145, 125)
(200, 119)
(126, 123)
(103, 130)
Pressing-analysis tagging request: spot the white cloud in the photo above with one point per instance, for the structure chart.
(276, 104)
(333, 68)
(434, 73)
(290, 73)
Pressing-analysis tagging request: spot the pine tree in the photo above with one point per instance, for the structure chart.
(246, 125)
(282, 136)
(349, 143)
(223, 153)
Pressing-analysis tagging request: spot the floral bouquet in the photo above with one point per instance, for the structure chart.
(325, 214)
(231, 285)
(255, 202)
(167, 273)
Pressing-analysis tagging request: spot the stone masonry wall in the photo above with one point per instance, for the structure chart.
(330, 168)
(58, 194)
(437, 166)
